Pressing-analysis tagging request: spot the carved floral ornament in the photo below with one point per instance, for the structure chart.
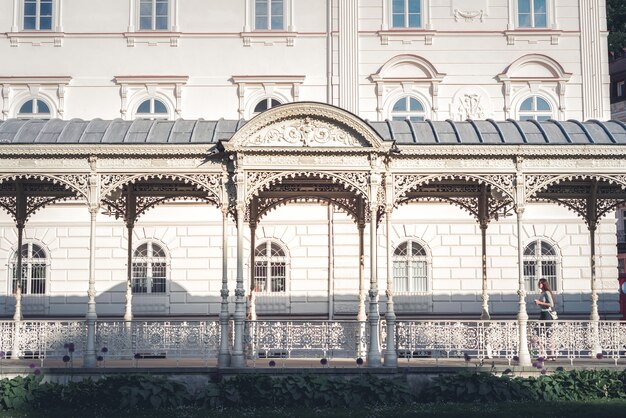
(303, 133)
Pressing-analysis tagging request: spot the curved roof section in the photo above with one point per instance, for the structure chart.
(140, 131)
(117, 131)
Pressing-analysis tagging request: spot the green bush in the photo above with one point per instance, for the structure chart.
(19, 392)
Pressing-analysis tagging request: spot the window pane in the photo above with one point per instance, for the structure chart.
(416, 118)
(145, 9)
(259, 251)
(145, 23)
(38, 252)
(414, 6)
(543, 118)
(540, 6)
(161, 8)
(527, 104)
(547, 249)
(38, 286)
(161, 23)
(542, 104)
(415, 105)
(260, 276)
(38, 271)
(27, 107)
(277, 22)
(45, 23)
(398, 6)
(540, 21)
(42, 107)
(398, 21)
(277, 7)
(159, 107)
(144, 107)
(275, 103)
(400, 105)
(30, 9)
(400, 276)
(45, 9)
(414, 21)
(157, 251)
(158, 285)
(261, 106)
(29, 23)
(524, 20)
(523, 6)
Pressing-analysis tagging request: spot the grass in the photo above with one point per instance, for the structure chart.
(599, 408)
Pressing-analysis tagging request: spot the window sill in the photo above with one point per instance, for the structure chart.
(533, 36)
(36, 38)
(406, 36)
(152, 38)
(269, 38)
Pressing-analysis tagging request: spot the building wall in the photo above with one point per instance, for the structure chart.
(191, 235)
(210, 43)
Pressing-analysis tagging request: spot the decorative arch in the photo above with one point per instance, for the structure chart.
(407, 75)
(530, 75)
(536, 183)
(356, 182)
(306, 125)
(274, 203)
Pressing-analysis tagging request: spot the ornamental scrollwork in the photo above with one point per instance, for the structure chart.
(303, 132)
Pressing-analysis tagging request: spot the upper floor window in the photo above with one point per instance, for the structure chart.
(152, 109)
(406, 13)
(532, 13)
(269, 15)
(149, 269)
(153, 15)
(264, 105)
(540, 262)
(408, 108)
(37, 14)
(270, 268)
(535, 108)
(34, 108)
(410, 268)
(34, 269)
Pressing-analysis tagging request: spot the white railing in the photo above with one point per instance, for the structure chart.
(305, 339)
(177, 340)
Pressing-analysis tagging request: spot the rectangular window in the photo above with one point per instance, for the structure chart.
(37, 14)
(269, 15)
(153, 15)
(621, 88)
(532, 13)
(406, 13)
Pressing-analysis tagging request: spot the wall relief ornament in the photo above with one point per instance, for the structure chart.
(468, 15)
(471, 103)
(303, 133)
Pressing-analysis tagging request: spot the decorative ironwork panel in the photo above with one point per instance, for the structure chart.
(305, 339)
(50, 339)
(159, 339)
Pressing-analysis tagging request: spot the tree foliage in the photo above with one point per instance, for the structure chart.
(616, 22)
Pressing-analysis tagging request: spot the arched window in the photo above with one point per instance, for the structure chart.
(535, 108)
(540, 261)
(149, 269)
(265, 104)
(270, 268)
(34, 108)
(408, 108)
(152, 109)
(34, 269)
(410, 268)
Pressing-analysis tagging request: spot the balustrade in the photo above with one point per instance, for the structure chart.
(200, 340)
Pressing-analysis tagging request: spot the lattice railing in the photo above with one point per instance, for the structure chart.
(176, 340)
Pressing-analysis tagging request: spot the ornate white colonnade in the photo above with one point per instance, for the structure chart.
(315, 153)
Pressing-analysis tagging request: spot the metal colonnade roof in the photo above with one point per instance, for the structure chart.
(117, 131)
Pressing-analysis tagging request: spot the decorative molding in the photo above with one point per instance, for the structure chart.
(147, 86)
(468, 15)
(35, 38)
(152, 38)
(407, 36)
(302, 133)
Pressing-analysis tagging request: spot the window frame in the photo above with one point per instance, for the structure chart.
(154, 16)
(407, 259)
(27, 267)
(270, 261)
(269, 100)
(35, 106)
(152, 115)
(532, 15)
(406, 14)
(530, 282)
(408, 114)
(269, 16)
(150, 260)
(534, 113)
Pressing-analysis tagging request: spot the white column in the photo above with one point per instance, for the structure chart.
(373, 357)
(483, 215)
(361, 315)
(391, 357)
(594, 62)
(595, 316)
(91, 317)
(237, 358)
(522, 315)
(17, 316)
(252, 307)
(128, 313)
(223, 359)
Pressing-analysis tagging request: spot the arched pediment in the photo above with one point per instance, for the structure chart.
(407, 67)
(535, 66)
(305, 125)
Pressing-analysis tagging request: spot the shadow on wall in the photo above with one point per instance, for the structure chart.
(178, 302)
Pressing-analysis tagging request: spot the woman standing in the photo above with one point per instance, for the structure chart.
(545, 301)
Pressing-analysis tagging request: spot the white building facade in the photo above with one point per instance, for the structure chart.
(424, 66)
